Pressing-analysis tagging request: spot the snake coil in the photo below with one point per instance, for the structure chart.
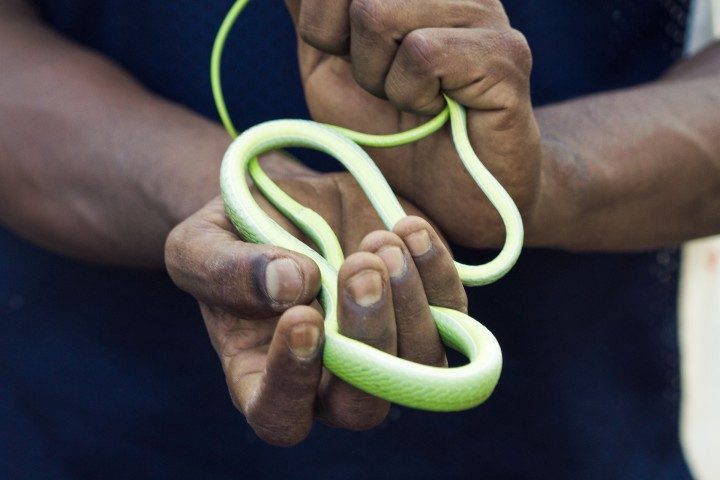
(373, 371)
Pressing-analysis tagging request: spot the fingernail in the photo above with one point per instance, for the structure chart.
(418, 243)
(394, 260)
(283, 280)
(304, 341)
(365, 288)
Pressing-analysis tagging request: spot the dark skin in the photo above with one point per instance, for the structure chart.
(554, 180)
(271, 354)
(595, 173)
(94, 166)
(389, 63)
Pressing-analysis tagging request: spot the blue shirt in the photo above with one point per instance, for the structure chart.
(108, 373)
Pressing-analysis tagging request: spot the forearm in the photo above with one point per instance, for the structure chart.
(633, 169)
(91, 164)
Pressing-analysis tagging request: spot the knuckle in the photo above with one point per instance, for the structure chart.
(493, 8)
(310, 33)
(179, 239)
(507, 95)
(516, 48)
(508, 102)
(179, 259)
(428, 102)
(420, 50)
(173, 248)
(175, 235)
(369, 15)
(506, 90)
(313, 32)
(234, 280)
(224, 268)
(237, 338)
(477, 10)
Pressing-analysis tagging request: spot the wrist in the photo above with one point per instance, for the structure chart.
(186, 177)
(558, 204)
(195, 168)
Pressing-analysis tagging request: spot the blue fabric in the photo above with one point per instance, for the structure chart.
(108, 373)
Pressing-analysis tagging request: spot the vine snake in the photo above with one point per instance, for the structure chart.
(373, 371)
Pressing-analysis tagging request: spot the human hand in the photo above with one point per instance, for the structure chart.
(253, 299)
(381, 66)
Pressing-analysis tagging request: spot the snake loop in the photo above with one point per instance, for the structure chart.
(376, 372)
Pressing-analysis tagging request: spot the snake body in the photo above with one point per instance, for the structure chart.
(373, 371)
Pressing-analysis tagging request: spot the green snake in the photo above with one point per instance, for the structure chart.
(371, 370)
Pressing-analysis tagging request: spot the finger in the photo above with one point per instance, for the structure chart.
(483, 69)
(435, 265)
(205, 258)
(355, 204)
(323, 24)
(378, 26)
(418, 338)
(365, 313)
(278, 397)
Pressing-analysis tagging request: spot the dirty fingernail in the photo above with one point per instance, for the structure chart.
(365, 288)
(394, 260)
(304, 341)
(418, 243)
(283, 280)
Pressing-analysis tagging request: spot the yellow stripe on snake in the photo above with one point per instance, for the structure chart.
(373, 371)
